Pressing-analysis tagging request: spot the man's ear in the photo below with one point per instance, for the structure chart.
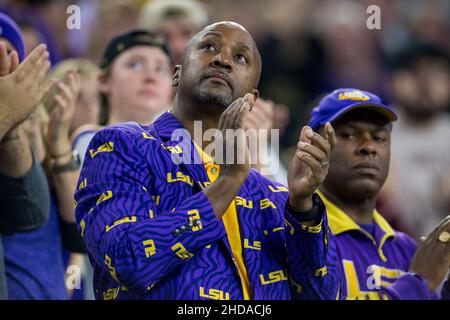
(176, 75)
(255, 92)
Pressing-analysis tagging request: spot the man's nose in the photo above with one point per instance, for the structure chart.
(367, 146)
(222, 60)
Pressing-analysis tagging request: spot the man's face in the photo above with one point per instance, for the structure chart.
(359, 162)
(220, 65)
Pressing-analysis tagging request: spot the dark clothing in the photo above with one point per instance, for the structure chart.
(34, 262)
(24, 206)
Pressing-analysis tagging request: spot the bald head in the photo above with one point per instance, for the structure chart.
(240, 31)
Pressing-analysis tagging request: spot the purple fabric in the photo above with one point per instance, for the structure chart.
(11, 31)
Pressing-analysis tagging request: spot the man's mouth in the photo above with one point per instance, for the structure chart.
(219, 77)
(367, 168)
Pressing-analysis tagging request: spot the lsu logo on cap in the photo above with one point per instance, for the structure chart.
(353, 95)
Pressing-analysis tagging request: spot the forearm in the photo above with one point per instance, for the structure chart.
(15, 153)
(65, 180)
(312, 260)
(222, 192)
(65, 183)
(407, 287)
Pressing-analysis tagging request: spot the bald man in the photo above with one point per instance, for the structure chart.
(164, 219)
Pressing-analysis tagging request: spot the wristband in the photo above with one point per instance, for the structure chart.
(309, 215)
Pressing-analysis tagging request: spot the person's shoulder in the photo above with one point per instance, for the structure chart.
(405, 241)
(126, 131)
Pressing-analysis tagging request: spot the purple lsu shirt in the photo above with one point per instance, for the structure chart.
(374, 266)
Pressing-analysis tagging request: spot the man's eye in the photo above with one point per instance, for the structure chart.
(241, 58)
(209, 47)
(347, 135)
(380, 139)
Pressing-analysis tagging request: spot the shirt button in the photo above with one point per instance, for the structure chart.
(176, 232)
(214, 170)
(183, 228)
(190, 224)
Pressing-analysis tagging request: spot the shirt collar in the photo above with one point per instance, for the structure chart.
(165, 124)
(340, 222)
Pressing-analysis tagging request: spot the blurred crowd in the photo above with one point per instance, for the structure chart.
(308, 48)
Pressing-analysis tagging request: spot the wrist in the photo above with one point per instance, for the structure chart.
(60, 149)
(310, 216)
(70, 162)
(237, 175)
(301, 204)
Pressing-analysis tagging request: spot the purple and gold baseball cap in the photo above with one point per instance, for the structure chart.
(341, 101)
(10, 31)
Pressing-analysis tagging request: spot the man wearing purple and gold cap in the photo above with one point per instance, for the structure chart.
(376, 262)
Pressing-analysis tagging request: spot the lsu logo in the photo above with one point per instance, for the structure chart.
(112, 270)
(156, 199)
(195, 215)
(203, 185)
(82, 226)
(256, 245)
(111, 294)
(147, 136)
(288, 225)
(275, 276)
(214, 294)
(278, 189)
(266, 203)
(107, 147)
(179, 177)
(244, 202)
(353, 95)
(173, 149)
(321, 272)
(120, 221)
(105, 196)
(82, 184)
(149, 247)
(181, 251)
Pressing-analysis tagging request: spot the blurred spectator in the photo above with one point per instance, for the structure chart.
(87, 109)
(417, 189)
(113, 17)
(177, 20)
(24, 198)
(134, 82)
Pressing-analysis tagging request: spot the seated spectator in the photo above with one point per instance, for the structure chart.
(134, 82)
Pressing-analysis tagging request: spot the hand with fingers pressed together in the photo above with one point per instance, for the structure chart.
(309, 166)
(231, 124)
(58, 138)
(23, 88)
(432, 258)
